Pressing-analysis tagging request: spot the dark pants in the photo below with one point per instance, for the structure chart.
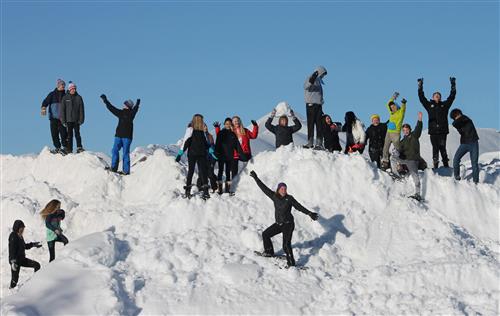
(230, 168)
(57, 130)
(28, 263)
(439, 146)
(275, 229)
(314, 113)
(375, 156)
(73, 128)
(52, 246)
(201, 162)
(210, 175)
(473, 150)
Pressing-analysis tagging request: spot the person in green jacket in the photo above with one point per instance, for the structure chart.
(397, 115)
(409, 154)
(53, 215)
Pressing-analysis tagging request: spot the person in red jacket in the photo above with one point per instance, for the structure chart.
(244, 135)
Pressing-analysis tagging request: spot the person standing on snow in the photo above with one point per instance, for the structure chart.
(72, 117)
(331, 134)
(244, 135)
(469, 143)
(52, 214)
(17, 252)
(284, 221)
(355, 133)
(52, 103)
(282, 131)
(438, 120)
(124, 132)
(396, 117)
(313, 96)
(375, 135)
(210, 163)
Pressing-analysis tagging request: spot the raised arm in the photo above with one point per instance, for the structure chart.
(297, 125)
(418, 128)
(262, 186)
(270, 126)
(136, 108)
(255, 130)
(453, 93)
(421, 96)
(110, 106)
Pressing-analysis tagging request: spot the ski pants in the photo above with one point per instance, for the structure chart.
(412, 169)
(390, 138)
(287, 230)
(28, 263)
(52, 246)
(58, 132)
(73, 128)
(375, 155)
(201, 162)
(473, 150)
(439, 146)
(119, 144)
(314, 113)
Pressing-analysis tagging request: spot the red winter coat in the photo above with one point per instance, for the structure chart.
(245, 141)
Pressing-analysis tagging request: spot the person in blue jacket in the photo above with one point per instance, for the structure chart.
(51, 105)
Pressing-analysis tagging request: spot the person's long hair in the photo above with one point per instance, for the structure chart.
(50, 208)
(350, 120)
(197, 122)
(241, 128)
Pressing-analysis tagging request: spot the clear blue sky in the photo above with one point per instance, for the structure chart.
(222, 59)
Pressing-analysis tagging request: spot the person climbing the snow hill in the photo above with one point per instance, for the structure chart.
(355, 133)
(284, 221)
(225, 145)
(397, 115)
(313, 96)
(52, 103)
(331, 134)
(124, 132)
(72, 117)
(438, 120)
(409, 154)
(210, 163)
(469, 143)
(17, 252)
(282, 131)
(52, 214)
(375, 136)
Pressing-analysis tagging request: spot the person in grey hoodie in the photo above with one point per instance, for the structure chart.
(72, 116)
(313, 96)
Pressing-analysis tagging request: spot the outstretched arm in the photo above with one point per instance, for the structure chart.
(304, 210)
(262, 186)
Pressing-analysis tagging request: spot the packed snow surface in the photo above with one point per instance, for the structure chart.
(137, 247)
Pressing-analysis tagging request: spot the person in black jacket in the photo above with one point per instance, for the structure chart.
(72, 117)
(284, 222)
(375, 136)
(331, 134)
(53, 103)
(211, 161)
(469, 143)
(438, 120)
(282, 131)
(124, 132)
(17, 252)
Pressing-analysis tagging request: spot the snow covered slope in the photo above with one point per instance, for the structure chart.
(137, 247)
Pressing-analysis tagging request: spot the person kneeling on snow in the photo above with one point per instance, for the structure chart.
(282, 131)
(53, 215)
(17, 252)
(469, 143)
(409, 154)
(355, 133)
(284, 224)
(331, 134)
(124, 132)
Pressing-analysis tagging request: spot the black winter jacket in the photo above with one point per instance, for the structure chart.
(226, 144)
(53, 103)
(467, 130)
(409, 147)
(283, 133)
(125, 128)
(72, 109)
(197, 144)
(376, 136)
(438, 112)
(331, 137)
(17, 247)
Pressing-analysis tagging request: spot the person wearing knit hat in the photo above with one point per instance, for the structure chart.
(72, 117)
(375, 138)
(52, 105)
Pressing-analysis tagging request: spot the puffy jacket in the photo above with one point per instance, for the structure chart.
(357, 136)
(376, 136)
(72, 109)
(197, 144)
(313, 92)
(409, 147)
(467, 130)
(331, 136)
(125, 128)
(17, 246)
(226, 144)
(396, 118)
(283, 133)
(53, 223)
(53, 103)
(245, 141)
(438, 112)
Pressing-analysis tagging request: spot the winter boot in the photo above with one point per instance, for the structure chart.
(416, 196)
(219, 187)
(309, 144)
(205, 195)
(436, 164)
(227, 188)
(187, 192)
(319, 144)
(446, 164)
(80, 150)
(62, 151)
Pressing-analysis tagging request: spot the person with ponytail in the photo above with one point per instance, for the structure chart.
(52, 214)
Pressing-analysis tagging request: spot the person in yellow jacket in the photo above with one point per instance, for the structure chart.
(397, 115)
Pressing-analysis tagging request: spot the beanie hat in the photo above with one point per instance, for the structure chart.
(374, 116)
(60, 82)
(71, 85)
(281, 185)
(129, 103)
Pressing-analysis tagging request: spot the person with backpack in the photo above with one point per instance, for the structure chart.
(331, 134)
(17, 252)
(72, 117)
(124, 132)
(375, 136)
(313, 96)
(52, 105)
(52, 214)
(396, 117)
(437, 111)
(469, 143)
(284, 221)
(409, 154)
(355, 133)
(282, 131)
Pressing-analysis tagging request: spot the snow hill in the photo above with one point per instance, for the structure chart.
(136, 247)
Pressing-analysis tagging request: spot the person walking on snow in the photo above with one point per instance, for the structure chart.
(396, 117)
(124, 132)
(375, 136)
(355, 133)
(330, 134)
(282, 131)
(284, 221)
(438, 120)
(52, 214)
(17, 252)
(469, 143)
(313, 96)
(52, 103)
(72, 117)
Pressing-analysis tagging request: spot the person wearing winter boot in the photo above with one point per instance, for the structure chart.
(17, 252)
(331, 134)
(469, 143)
(438, 120)
(211, 161)
(124, 132)
(284, 221)
(244, 136)
(72, 117)
(313, 96)
(375, 136)
(355, 134)
(52, 214)
(282, 131)
(52, 105)
(409, 154)
(396, 117)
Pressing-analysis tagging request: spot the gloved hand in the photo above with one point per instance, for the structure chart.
(36, 244)
(292, 114)
(420, 82)
(313, 77)
(103, 97)
(137, 102)
(253, 174)
(273, 113)
(395, 95)
(13, 265)
(179, 155)
(452, 80)
(403, 101)
(254, 123)
(313, 216)
(216, 124)
(212, 153)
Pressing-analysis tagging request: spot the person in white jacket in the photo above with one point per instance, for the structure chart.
(355, 133)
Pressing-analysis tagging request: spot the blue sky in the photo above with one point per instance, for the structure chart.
(222, 59)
